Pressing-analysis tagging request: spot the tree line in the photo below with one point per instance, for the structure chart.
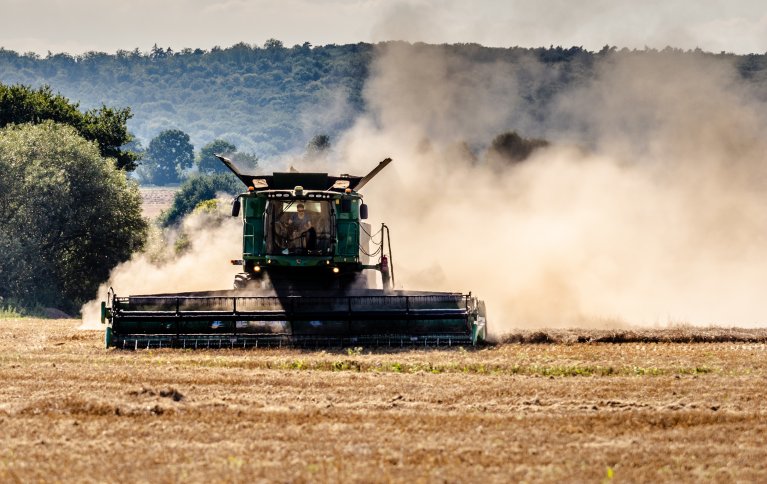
(254, 96)
(250, 96)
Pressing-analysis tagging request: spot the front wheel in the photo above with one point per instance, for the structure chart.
(241, 281)
(247, 280)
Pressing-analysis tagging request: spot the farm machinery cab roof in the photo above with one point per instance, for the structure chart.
(309, 181)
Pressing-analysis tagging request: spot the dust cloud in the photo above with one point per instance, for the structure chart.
(647, 209)
(204, 265)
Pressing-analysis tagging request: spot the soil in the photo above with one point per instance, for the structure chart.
(559, 411)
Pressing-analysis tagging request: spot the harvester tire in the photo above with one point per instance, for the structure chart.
(241, 281)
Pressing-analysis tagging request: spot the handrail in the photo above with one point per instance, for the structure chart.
(385, 228)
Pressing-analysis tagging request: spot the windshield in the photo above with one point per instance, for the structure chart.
(299, 227)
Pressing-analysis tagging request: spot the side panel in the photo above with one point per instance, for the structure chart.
(348, 230)
(253, 226)
(348, 238)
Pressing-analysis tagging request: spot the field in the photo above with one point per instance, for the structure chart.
(156, 199)
(543, 408)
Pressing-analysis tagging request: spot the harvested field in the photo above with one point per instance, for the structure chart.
(561, 411)
(156, 199)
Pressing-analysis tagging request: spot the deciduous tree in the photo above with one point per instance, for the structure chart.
(168, 156)
(207, 161)
(511, 147)
(198, 189)
(67, 216)
(106, 126)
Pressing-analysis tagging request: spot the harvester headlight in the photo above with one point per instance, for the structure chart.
(336, 270)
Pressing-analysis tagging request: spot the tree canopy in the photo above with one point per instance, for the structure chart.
(67, 216)
(168, 156)
(271, 99)
(512, 147)
(249, 95)
(207, 161)
(198, 189)
(318, 144)
(106, 126)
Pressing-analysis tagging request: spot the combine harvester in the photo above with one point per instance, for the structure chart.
(305, 245)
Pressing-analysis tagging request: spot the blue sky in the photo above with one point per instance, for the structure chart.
(78, 26)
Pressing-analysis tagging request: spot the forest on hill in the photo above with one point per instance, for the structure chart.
(273, 99)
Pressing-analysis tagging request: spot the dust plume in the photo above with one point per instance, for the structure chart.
(204, 265)
(646, 209)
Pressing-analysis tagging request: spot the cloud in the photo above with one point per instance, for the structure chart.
(81, 25)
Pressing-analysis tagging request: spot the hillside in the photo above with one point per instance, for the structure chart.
(256, 98)
(271, 99)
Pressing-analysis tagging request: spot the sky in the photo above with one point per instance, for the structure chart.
(77, 26)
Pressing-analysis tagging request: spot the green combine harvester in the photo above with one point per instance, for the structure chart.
(310, 270)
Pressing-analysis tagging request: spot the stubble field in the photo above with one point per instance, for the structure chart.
(529, 410)
(156, 199)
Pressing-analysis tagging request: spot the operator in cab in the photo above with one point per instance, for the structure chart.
(299, 229)
(299, 222)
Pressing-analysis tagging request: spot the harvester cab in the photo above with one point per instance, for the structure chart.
(309, 278)
(305, 232)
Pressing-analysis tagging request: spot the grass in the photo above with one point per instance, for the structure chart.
(14, 311)
(445, 362)
(10, 312)
(494, 369)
